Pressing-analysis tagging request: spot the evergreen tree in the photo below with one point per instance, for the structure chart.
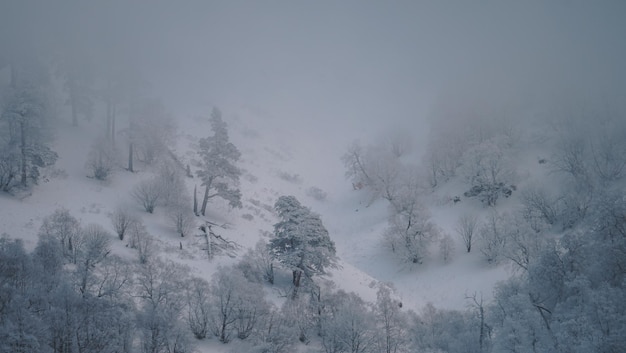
(301, 242)
(219, 175)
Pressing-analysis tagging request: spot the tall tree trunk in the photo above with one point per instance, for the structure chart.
(195, 201)
(297, 276)
(113, 126)
(23, 150)
(108, 120)
(130, 158)
(205, 199)
(73, 103)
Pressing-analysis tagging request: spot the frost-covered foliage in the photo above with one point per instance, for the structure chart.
(488, 171)
(123, 219)
(348, 324)
(151, 132)
(257, 264)
(375, 169)
(236, 305)
(102, 159)
(147, 192)
(410, 231)
(25, 114)
(64, 228)
(570, 296)
(300, 242)
(216, 167)
(493, 236)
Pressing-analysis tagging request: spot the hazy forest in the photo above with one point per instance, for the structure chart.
(279, 176)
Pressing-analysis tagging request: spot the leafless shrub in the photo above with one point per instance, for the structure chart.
(465, 227)
(122, 219)
(147, 193)
(101, 159)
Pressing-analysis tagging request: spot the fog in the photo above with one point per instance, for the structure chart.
(359, 65)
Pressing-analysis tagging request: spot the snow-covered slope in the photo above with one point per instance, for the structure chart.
(278, 158)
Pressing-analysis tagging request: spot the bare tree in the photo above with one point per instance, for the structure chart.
(122, 220)
(95, 248)
(182, 219)
(101, 159)
(410, 231)
(147, 193)
(539, 206)
(64, 227)
(465, 227)
(142, 241)
(570, 157)
(198, 307)
(493, 237)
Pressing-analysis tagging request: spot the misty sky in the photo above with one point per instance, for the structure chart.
(355, 63)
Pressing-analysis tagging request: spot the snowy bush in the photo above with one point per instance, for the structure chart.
(410, 231)
(257, 264)
(122, 220)
(143, 242)
(182, 218)
(147, 193)
(101, 159)
(64, 227)
(317, 193)
(493, 237)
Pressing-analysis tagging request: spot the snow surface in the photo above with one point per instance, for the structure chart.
(278, 158)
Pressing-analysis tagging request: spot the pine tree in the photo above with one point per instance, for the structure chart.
(217, 170)
(301, 242)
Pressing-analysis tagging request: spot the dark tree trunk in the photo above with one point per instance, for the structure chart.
(23, 151)
(130, 158)
(113, 127)
(297, 276)
(73, 104)
(205, 200)
(195, 201)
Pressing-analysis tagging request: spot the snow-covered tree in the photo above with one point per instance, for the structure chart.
(122, 219)
(102, 159)
(151, 132)
(24, 131)
(236, 305)
(488, 171)
(374, 168)
(147, 192)
(493, 236)
(300, 242)
(410, 231)
(391, 322)
(349, 325)
(63, 227)
(466, 227)
(216, 167)
(160, 290)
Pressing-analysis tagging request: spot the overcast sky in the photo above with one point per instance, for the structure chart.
(348, 62)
